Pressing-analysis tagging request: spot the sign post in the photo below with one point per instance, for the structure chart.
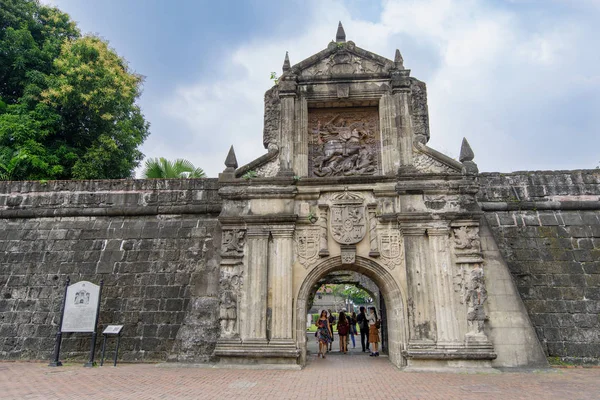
(111, 330)
(56, 362)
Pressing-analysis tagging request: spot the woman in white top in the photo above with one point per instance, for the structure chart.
(373, 331)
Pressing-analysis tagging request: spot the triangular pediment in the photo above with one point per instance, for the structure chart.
(343, 59)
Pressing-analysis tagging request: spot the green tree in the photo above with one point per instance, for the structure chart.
(69, 100)
(163, 168)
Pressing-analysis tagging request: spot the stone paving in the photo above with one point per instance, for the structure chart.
(352, 375)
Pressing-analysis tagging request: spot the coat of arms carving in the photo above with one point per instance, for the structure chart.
(348, 223)
(391, 248)
(307, 245)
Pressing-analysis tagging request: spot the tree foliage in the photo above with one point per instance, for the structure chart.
(163, 168)
(67, 101)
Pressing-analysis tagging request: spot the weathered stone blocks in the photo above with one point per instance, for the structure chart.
(558, 272)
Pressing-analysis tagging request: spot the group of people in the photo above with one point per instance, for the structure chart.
(346, 326)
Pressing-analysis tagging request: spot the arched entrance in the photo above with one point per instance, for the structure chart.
(395, 303)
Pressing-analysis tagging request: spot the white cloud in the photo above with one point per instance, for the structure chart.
(497, 80)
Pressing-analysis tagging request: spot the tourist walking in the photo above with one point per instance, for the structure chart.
(374, 325)
(363, 324)
(343, 327)
(352, 321)
(331, 320)
(324, 333)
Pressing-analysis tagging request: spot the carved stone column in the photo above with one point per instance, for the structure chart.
(447, 323)
(281, 283)
(323, 246)
(253, 320)
(420, 300)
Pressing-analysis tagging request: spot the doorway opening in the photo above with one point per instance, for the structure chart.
(367, 275)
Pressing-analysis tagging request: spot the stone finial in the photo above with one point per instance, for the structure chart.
(340, 36)
(466, 158)
(286, 63)
(398, 60)
(231, 161)
(466, 153)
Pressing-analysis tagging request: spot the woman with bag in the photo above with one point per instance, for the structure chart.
(343, 328)
(324, 335)
(374, 325)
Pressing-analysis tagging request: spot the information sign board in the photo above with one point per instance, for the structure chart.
(81, 306)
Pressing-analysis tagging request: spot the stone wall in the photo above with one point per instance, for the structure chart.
(152, 242)
(547, 227)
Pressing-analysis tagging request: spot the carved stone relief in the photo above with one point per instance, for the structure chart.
(231, 285)
(476, 295)
(343, 141)
(373, 242)
(348, 223)
(342, 63)
(429, 165)
(466, 239)
(269, 169)
(231, 279)
(391, 248)
(307, 245)
(233, 242)
(348, 254)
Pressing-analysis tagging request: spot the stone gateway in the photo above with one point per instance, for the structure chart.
(475, 270)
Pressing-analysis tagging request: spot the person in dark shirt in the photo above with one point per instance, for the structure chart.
(363, 324)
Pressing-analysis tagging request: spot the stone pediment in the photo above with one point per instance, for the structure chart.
(342, 60)
(429, 161)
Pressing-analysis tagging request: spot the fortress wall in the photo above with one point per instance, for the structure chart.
(153, 242)
(547, 227)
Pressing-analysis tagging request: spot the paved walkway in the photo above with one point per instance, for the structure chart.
(353, 375)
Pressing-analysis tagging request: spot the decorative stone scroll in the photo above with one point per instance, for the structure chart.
(348, 223)
(391, 248)
(307, 245)
(343, 141)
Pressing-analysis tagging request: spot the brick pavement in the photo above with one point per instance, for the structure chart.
(338, 376)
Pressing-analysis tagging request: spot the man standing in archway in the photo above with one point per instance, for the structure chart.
(364, 329)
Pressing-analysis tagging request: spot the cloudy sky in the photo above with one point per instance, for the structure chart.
(520, 79)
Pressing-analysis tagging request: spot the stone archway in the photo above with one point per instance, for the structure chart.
(396, 310)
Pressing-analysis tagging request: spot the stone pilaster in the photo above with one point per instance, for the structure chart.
(286, 147)
(405, 126)
(281, 283)
(446, 304)
(389, 135)
(420, 302)
(253, 320)
(301, 138)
